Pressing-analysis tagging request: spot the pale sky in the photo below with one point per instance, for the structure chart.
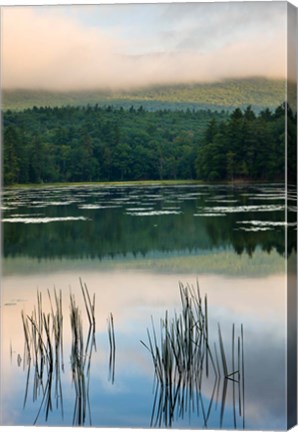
(123, 46)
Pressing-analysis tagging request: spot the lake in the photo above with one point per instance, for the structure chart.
(142, 251)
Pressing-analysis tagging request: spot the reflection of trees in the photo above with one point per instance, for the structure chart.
(291, 131)
(111, 232)
(292, 211)
(189, 374)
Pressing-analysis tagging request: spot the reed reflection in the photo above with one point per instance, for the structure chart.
(43, 351)
(188, 374)
(81, 354)
(44, 354)
(112, 344)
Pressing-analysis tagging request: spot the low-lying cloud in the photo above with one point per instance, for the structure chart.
(55, 51)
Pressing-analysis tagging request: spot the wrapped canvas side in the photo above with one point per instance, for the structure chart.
(291, 214)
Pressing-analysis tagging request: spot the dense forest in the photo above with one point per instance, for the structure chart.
(245, 146)
(102, 144)
(93, 143)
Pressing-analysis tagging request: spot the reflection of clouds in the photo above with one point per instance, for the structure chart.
(8, 415)
(12, 385)
(133, 297)
(265, 381)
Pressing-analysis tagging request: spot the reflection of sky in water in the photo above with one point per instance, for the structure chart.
(140, 283)
(133, 297)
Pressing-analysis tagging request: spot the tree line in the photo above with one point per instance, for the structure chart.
(92, 143)
(247, 146)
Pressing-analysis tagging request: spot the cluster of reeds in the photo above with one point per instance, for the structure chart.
(81, 354)
(43, 349)
(182, 359)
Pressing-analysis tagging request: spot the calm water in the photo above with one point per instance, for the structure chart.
(132, 246)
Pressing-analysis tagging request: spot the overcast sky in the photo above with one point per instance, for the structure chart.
(123, 46)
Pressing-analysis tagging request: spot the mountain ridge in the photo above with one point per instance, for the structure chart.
(257, 92)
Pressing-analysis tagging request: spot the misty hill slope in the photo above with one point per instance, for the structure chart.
(258, 92)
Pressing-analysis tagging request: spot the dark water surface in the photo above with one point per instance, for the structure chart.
(132, 246)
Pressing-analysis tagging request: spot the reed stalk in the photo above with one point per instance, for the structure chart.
(222, 352)
(242, 375)
(182, 357)
(43, 342)
(112, 344)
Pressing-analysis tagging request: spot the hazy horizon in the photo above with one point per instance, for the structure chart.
(146, 87)
(134, 46)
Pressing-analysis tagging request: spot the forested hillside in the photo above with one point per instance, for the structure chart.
(75, 144)
(228, 94)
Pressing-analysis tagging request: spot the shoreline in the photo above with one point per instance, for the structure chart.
(131, 183)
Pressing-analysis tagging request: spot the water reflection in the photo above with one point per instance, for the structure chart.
(112, 344)
(43, 352)
(187, 369)
(258, 302)
(80, 357)
(44, 349)
(102, 222)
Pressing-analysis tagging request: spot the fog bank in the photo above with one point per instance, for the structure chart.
(54, 49)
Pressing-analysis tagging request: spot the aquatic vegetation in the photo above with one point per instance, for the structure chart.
(43, 351)
(153, 213)
(81, 354)
(187, 368)
(186, 218)
(35, 220)
(112, 344)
